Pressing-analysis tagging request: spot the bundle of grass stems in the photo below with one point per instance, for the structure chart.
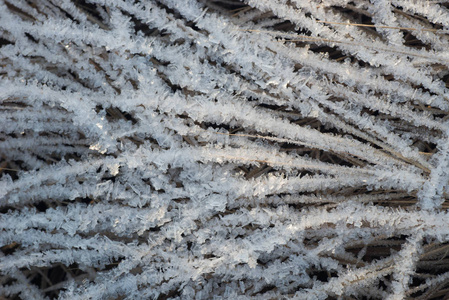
(224, 149)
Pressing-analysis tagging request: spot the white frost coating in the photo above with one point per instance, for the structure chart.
(194, 149)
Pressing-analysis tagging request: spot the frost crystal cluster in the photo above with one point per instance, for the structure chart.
(224, 149)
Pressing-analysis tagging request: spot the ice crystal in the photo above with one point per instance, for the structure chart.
(200, 149)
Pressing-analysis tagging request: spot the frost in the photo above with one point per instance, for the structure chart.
(254, 149)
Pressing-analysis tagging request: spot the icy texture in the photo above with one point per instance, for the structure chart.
(221, 149)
